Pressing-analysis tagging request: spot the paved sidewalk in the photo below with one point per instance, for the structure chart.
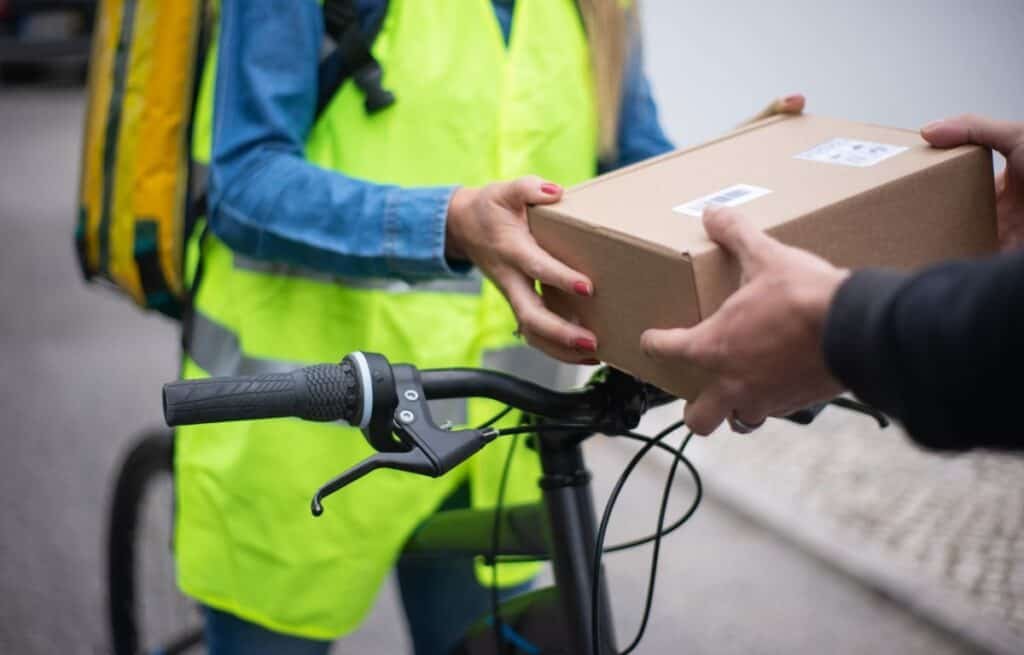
(943, 534)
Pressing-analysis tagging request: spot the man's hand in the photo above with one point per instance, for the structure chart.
(764, 345)
(1008, 139)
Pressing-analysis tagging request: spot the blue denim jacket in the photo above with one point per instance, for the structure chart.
(268, 202)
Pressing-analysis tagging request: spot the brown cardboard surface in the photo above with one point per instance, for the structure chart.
(654, 267)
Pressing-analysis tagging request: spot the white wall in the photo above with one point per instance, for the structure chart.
(895, 62)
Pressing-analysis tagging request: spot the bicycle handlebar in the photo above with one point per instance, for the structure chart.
(332, 392)
(532, 398)
(389, 405)
(325, 392)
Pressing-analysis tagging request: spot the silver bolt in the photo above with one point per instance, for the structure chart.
(447, 425)
(410, 394)
(405, 416)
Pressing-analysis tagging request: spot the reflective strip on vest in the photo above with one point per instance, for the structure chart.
(217, 351)
(470, 284)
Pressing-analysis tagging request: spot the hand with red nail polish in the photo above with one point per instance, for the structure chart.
(488, 227)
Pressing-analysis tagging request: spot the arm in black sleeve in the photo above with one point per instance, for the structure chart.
(942, 350)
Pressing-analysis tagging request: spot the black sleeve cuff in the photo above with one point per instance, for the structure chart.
(854, 340)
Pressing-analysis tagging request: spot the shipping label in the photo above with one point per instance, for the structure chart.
(733, 196)
(851, 152)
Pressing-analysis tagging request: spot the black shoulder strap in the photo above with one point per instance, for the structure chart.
(351, 57)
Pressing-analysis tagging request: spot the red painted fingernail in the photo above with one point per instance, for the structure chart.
(550, 188)
(591, 362)
(581, 288)
(584, 343)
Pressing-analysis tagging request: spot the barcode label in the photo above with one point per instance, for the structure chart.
(733, 196)
(851, 152)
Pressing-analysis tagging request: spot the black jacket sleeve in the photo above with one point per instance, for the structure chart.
(942, 351)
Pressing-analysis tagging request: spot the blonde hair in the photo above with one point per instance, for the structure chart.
(609, 25)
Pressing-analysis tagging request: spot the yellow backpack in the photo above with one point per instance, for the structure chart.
(136, 169)
(140, 193)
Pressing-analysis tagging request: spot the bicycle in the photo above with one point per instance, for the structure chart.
(389, 405)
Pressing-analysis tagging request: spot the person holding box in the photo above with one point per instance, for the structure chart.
(939, 349)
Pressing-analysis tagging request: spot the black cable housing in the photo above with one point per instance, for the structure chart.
(651, 442)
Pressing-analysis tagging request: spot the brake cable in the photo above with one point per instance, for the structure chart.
(662, 531)
(603, 528)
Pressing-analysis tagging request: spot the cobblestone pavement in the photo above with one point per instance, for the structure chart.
(943, 533)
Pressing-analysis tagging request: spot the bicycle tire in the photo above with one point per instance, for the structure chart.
(149, 461)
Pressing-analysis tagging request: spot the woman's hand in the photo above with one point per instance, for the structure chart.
(791, 104)
(487, 226)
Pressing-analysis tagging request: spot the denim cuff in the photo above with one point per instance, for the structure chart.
(414, 233)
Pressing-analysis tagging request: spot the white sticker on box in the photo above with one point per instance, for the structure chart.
(851, 152)
(733, 196)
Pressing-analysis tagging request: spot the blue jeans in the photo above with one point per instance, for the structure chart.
(441, 598)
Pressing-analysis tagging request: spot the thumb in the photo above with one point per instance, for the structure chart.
(1003, 136)
(729, 229)
(530, 190)
(699, 344)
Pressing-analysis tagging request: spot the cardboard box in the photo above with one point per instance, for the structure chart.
(858, 195)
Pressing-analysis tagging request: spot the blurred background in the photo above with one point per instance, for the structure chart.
(838, 537)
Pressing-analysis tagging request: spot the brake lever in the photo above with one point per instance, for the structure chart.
(412, 461)
(432, 451)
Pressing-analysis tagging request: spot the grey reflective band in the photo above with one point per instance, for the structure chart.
(364, 381)
(217, 351)
(470, 284)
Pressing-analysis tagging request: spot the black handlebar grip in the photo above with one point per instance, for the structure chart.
(325, 392)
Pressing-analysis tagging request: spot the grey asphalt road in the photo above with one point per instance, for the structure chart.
(81, 372)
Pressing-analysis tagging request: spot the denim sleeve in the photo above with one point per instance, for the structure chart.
(640, 133)
(266, 200)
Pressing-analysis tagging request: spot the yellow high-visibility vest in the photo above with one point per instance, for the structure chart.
(469, 111)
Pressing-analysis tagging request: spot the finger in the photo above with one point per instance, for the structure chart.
(743, 426)
(530, 190)
(1001, 182)
(732, 231)
(791, 104)
(537, 264)
(704, 414)
(692, 344)
(1004, 136)
(746, 421)
(560, 352)
(539, 324)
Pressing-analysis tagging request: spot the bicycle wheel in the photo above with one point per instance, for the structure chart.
(147, 612)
